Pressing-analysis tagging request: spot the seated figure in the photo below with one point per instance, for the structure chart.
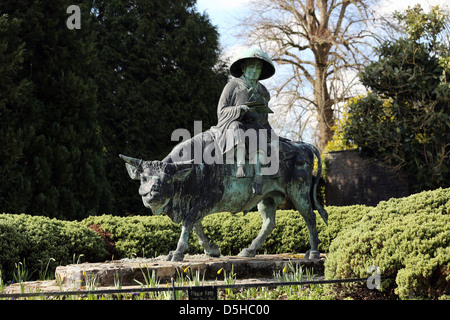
(243, 107)
(235, 116)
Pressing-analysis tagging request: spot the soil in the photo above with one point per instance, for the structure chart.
(106, 236)
(361, 292)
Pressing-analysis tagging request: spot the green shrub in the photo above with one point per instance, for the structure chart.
(290, 234)
(37, 239)
(139, 235)
(231, 232)
(408, 239)
(154, 235)
(339, 219)
(11, 243)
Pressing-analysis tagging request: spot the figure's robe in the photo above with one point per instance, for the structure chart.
(238, 92)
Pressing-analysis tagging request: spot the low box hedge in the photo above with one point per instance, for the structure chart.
(408, 239)
(147, 236)
(154, 235)
(37, 239)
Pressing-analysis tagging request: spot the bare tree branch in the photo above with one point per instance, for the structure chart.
(321, 40)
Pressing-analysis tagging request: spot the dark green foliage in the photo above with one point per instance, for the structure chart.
(406, 69)
(408, 238)
(54, 157)
(158, 62)
(37, 239)
(17, 127)
(11, 242)
(157, 235)
(72, 100)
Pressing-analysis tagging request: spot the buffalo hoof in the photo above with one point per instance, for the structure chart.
(213, 251)
(247, 253)
(312, 254)
(175, 256)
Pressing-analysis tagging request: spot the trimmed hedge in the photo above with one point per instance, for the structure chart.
(154, 235)
(408, 239)
(37, 239)
(138, 235)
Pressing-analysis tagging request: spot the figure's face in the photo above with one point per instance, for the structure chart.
(252, 69)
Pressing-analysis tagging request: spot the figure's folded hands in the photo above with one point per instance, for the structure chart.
(244, 108)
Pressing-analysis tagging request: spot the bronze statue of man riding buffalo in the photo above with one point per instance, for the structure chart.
(238, 178)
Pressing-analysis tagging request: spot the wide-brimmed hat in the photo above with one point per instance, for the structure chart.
(268, 69)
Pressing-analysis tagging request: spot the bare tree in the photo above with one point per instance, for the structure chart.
(321, 40)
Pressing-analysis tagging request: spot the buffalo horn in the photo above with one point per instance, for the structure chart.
(133, 161)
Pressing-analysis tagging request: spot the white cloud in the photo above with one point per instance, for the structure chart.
(389, 6)
(215, 5)
(231, 53)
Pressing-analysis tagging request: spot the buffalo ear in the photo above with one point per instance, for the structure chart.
(133, 172)
(133, 165)
(180, 175)
(178, 171)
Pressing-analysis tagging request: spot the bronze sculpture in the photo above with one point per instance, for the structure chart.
(188, 190)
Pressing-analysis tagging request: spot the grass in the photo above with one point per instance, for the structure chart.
(290, 273)
(189, 277)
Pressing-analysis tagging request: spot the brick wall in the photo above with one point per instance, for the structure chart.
(354, 180)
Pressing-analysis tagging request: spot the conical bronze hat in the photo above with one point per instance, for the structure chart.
(268, 69)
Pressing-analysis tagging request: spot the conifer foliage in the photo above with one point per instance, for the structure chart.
(160, 72)
(72, 99)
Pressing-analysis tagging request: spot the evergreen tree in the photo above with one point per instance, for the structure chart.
(72, 100)
(405, 120)
(58, 164)
(158, 74)
(16, 130)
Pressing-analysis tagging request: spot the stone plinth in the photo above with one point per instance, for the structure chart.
(129, 270)
(73, 277)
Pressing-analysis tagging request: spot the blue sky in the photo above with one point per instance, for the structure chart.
(225, 14)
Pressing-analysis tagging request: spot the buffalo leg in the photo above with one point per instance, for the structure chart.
(182, 246)
(304, 206)
(268, 209)
(210, 248)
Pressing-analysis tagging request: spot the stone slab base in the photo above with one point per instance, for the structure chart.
(128, 271)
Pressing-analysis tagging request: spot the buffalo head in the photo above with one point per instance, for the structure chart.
(157, 180)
